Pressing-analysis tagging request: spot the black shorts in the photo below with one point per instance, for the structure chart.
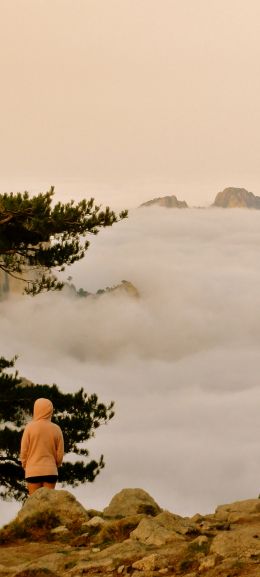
(42, 479)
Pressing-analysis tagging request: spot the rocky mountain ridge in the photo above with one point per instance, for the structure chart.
(166, 201)
(125, 287)
(230, 197)
(54, 536)
(236, 198)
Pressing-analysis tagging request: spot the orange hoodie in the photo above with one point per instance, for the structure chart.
(42, 446)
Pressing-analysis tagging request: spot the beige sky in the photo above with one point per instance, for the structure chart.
(157, 94)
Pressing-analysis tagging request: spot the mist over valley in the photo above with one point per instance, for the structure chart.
(181, 361)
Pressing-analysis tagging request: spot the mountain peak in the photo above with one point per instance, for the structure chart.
(233, 197)
(167, 202)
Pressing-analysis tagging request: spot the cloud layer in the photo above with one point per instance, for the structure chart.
(181, 362)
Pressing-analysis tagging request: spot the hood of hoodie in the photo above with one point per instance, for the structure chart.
(43, 409)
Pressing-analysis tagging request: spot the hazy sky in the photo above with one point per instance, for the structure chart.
(181, 363)
(130, 98)
(126, 100)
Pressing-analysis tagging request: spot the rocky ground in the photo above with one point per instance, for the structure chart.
(54, 536)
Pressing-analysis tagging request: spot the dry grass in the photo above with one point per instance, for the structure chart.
(33, 528)
(116, 531)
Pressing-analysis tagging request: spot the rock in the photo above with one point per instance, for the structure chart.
(208, 563)
(94, 513)
(131, 502)
(209, 525)
(61, 504)
(163, 528)
(200, 541)
(146, 574)
(99, 566)
(41, 572)
(160, 545)
(116, 530)
(60, 529)
(6, 571)
(95, 522)
(236, 198)
(197, 518)
(243, 542)
(239, 511)
(125, 287)
(167, 202)
(81, 541)
(150, 563)
(44, 567)
(157, 530)
(181, 525)
(146, 564)
(110, 558)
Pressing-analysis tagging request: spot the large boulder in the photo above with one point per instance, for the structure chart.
(242, 543)
(131, 502)
(62, 504)
(159, 530)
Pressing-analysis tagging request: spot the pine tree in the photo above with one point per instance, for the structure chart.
(78, 415)
(34, 236)
(38, 237)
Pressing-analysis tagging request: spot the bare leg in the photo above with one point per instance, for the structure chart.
(32, 487)
(49, 485)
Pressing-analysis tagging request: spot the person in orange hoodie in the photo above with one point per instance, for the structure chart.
(42, 448)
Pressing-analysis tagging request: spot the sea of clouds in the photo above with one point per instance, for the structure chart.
(182, 362)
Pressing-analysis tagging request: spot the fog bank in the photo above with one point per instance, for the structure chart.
(181, 362)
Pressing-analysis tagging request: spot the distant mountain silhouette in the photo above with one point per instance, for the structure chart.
(167, 202)
(236, 198)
